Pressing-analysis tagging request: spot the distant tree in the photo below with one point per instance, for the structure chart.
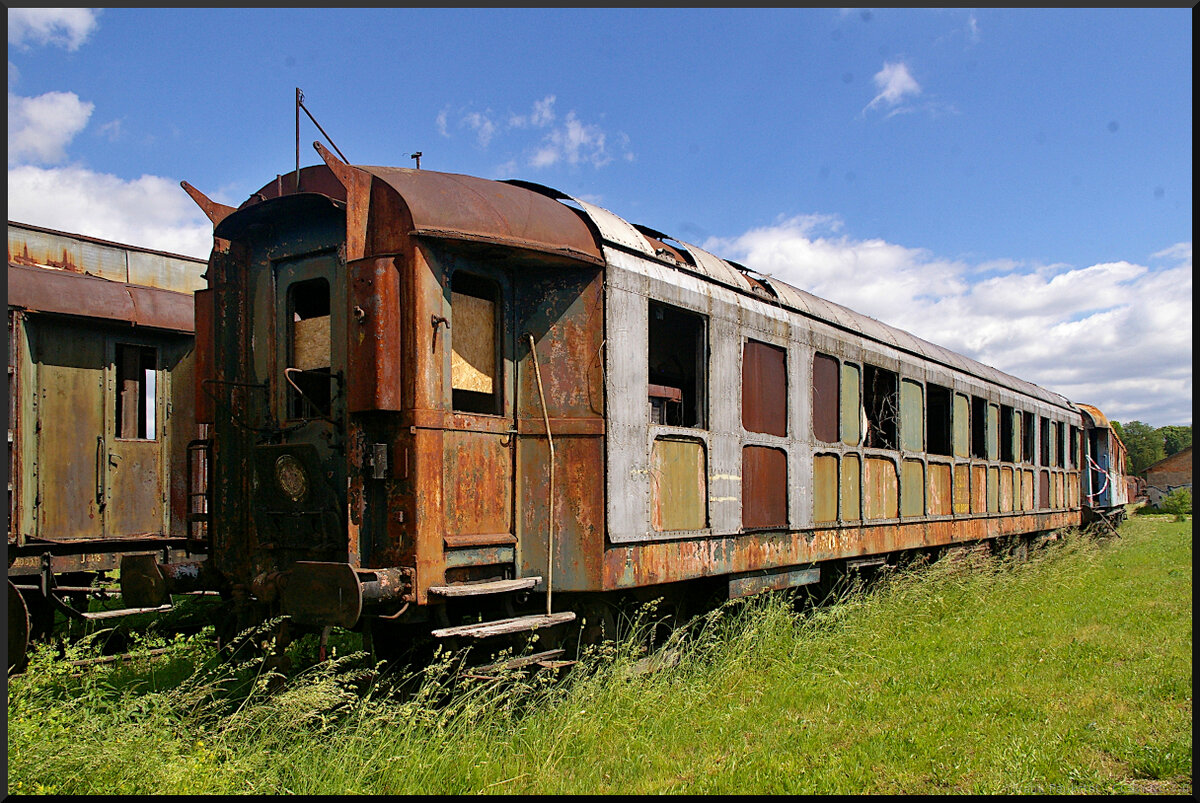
(1143, 443)
(1175, 439)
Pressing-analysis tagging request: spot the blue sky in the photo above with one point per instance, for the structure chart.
(1013, 184)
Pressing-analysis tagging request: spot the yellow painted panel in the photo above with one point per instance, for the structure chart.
(825, 488)
(678, 489)
(912, 488)
(851, 488)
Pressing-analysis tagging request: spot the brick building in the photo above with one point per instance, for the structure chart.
(1169, 474)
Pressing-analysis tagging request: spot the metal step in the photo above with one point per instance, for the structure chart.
(476, 588)
(521, 623)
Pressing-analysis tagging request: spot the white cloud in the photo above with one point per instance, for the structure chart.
(895, 83)
(149, 211)
(1116, 335)
(41, 128)
(64, 27)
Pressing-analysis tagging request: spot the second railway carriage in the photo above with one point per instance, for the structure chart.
(100, 417)
(426, 388)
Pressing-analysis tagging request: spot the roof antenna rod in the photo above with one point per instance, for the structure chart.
(300, 105)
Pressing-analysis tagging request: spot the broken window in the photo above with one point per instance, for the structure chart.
(1007, 434)
(979, 427)
(310, 349)
(1045, 441)
(474, 345)
(678, 359)
(825, 398)
(137, 375)
(1028, 438)
(881, 402)
(937, 420)
(1060, 451)
(1075, 462)
(764, 388)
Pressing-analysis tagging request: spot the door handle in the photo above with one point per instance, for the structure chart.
(101, 471)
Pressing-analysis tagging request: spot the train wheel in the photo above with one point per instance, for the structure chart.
(18, 630)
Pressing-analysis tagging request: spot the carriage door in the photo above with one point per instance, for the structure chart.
(133, 471)
(479, 445)
(69, 368)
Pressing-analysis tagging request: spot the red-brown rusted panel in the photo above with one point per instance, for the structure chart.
(1043, 496)
(764, 487)
(203, 365)
(881, 498)
(656, 562)
(940, 484)
(1006, 489)
(962, 489)
(373, 340)
(978, 489)
(477, 478)
(65, 293)
(825, 398)
(764, 388)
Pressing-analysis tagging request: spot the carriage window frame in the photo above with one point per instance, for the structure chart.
(672, 330)
(466, 284)
(136, 375)
(314, 398)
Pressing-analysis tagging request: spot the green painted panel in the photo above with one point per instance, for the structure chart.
(962, 425)
(851, 488)
(678, 489)
(993, 432)
(912, 416)
(912, 488)
(851, 408)
(993, 490)
(825, 488)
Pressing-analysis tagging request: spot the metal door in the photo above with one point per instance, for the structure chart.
(134, 475)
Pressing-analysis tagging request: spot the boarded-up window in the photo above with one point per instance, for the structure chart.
(851, 488)
(678, 488)
(1006, 490)
(880, 491)
(825, 488)
(912, 488)
(1043, 490)
(940, 484)
(978, 489)
(474, 339)
(993, 432)
(137, 392)
(1027, 493)
(825, 398)
(851, 410)
(310, 349)
(912, 416)
(764, 487)
(962, 426)
(937, 420)
(962, 489)
(881, 402)
(764, 388)
(993, 489)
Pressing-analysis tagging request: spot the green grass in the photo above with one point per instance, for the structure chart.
(1068, 673)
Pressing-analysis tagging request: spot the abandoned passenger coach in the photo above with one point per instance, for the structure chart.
(100, 418)
(426, 387)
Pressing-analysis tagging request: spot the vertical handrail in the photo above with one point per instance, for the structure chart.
(537, 372)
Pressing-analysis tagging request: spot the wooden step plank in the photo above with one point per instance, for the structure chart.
(479, 587)
(521, 623)
(517, 663)
(124, 612)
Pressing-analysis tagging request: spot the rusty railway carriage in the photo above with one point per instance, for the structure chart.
(100, 415)
(426, 388)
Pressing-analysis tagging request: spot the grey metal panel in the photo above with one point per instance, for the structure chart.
(616, 229)
(716, 268)
(166, 272)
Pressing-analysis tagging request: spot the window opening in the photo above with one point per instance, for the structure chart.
(979, 427)
(1028, 436)
(474, 345)
(1045, 441)
(1059, 445)
(1007, 434)
(1075, 461)
(678, 360)
(881, 401)
(937, 420)
(137, 392)
(310, 349)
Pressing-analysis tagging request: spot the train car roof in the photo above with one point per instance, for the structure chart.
(526, 215)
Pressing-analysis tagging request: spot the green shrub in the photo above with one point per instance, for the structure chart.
(1178, 503)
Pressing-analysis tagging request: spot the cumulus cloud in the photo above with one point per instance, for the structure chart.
(63, 27)
(149, 211)
(1115, 334)
(895, 84)
(570, 141)
(41, 128)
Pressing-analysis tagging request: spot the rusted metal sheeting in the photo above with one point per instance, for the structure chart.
(764, 487)
(460, 207)
(764, 388)
(652, 562)
(40, 290)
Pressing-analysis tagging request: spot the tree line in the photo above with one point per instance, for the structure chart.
(1146, 445)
